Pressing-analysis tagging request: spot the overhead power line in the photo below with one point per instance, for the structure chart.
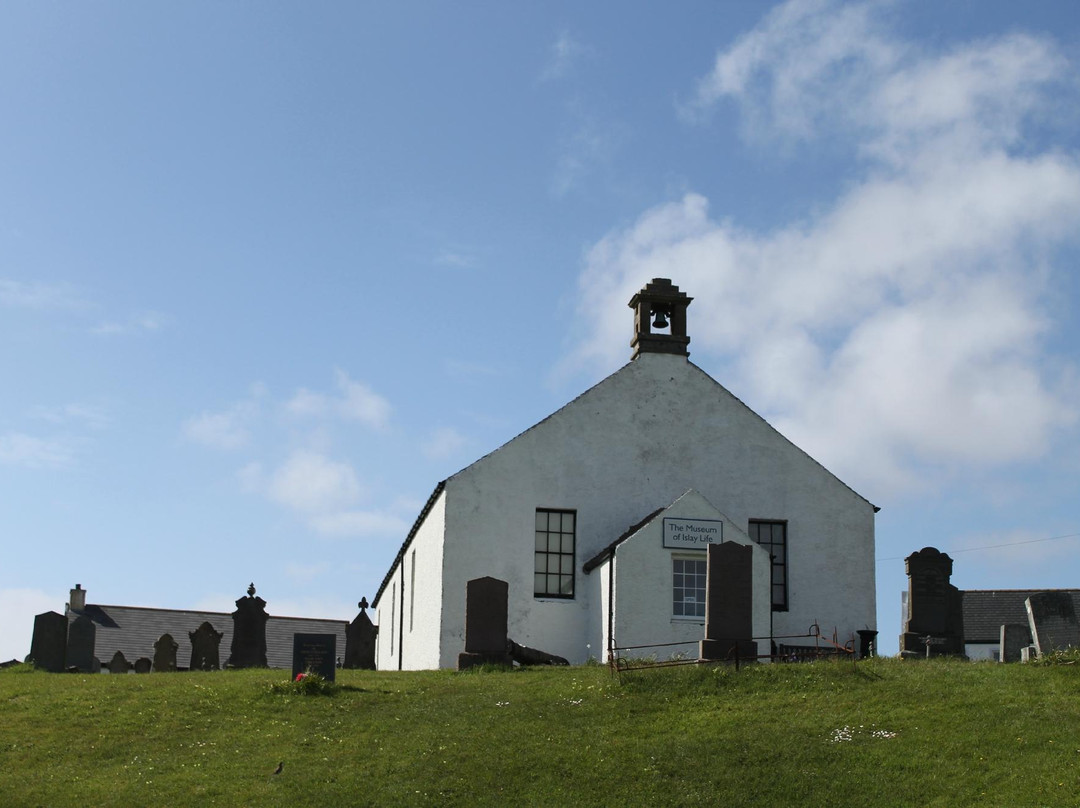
(992, 546)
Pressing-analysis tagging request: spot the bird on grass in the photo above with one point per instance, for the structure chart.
(276, 772)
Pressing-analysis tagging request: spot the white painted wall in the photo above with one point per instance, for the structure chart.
(637, 441)
(417, 622)
(643, 584)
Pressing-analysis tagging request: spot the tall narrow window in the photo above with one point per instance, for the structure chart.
(553, 571)
(773, 537)
(412, 589)
(688, 587)
(393, 603)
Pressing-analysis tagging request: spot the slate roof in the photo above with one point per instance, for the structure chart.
(133, 631)
(985, 610)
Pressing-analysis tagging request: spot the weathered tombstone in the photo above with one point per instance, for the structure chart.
(729, 600)
(165, 653)
(935, 606)
(143, 665)
(82, 633)
(49, 645)
(205, 648)
(360, 637)
(249, 632)
(1052, 617)
(314, 653)
(485, 623)
(119, 663)
(1014, 638)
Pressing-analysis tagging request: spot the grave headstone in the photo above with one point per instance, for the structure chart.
(118, 663)
(49, 645)
(249, 632)
(934, 605)
(314, 653)
(165, 653)
(143, 665)
(360, 637)
(485, 623)
(1052, 619)
(82, 633)
(205, 648)
(1014, 638)
(729, 600)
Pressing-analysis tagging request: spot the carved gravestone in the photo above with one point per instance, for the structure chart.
(360, 637)
(867, 643)
(314, 653)
(249, 632)
(485, 623)
(729, 601)
(118, 663)
(205, 648)
(49, 645)
(165, 654)
(1052, 618)
(935, 606)
(143, 665)
(1015, 637)
(82, 634)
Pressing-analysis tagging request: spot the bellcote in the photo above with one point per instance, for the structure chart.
(660, 319)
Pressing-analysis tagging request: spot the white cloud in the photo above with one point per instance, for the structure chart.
(93, 416)
(19, 607)
(18, 294)
(900, 328)
(313, 483)
(354, 402)
(223, 430)
(360, 523)
(28, 451)
(562, 56)
(147, 321)
(443, 443)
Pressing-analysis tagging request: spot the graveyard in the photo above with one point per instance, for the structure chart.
(872, 731)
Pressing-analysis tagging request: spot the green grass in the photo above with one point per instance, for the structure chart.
(886, 732)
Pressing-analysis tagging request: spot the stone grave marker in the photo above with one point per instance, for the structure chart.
(360, 637)
(1052, 618)
(1014, 638)
(485, 623)
(118, 663)
(143, 665)
(729, 601)
(935, 606)
(314, 653)
(205, 648)
(49, 645)
(249, 632)
(165, 653)
(82, 634)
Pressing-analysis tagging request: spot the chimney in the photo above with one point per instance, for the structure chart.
(78, 599)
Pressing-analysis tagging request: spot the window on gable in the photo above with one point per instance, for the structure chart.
(553, 570)
(688, 587)
(773, 537)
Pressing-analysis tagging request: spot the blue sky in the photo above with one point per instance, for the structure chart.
(270, 272)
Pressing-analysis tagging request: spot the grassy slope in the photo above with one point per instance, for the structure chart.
(965, 734)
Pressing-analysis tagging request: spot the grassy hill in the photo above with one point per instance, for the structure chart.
(885, 732)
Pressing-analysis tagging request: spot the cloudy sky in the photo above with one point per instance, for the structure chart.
(269, 272)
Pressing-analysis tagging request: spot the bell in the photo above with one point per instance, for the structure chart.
(660, 321)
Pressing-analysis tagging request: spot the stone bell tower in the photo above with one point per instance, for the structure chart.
(660, 319)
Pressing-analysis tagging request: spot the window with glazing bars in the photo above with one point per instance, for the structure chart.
(773, 537)
(553, 571)
(688, 587)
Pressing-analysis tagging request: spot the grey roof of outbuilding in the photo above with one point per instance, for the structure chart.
(986, 610)
(133, 630)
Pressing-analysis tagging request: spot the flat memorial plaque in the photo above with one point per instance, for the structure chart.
(314, 653)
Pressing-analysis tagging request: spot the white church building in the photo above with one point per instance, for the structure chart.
(598, 516)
